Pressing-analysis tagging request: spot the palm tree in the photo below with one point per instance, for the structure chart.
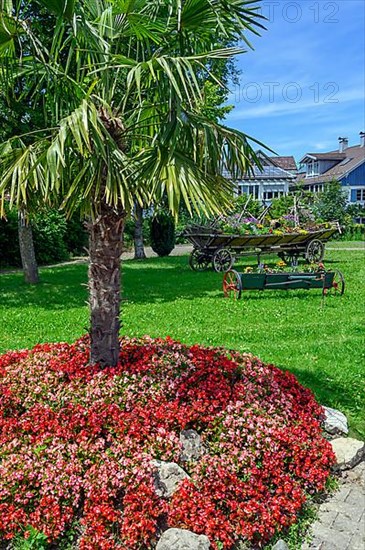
(120, 82)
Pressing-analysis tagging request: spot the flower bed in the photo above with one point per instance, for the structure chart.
(76, 444)
(236, 225)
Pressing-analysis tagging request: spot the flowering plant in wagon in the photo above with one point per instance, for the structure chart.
(78, 445)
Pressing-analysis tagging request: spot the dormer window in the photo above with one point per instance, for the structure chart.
(313, 168)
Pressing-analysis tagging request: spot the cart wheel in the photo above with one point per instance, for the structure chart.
(232, 286)
(222, 260)
(338, 284)
(199, 261)
(315, 251)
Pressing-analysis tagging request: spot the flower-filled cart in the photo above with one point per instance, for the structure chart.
(215, 248)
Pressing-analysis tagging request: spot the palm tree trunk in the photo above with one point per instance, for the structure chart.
(105, 242)
(27, 253)
(139, 253)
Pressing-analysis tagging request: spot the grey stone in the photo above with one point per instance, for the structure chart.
(341, 494)
(182, 539)
(357, 542)
(328, 517)
(167, 477)
(348, 451)
(280, 545)
(345, 525)
(344, 509)
(356, 497)
(326, 535)
(356, 476)
(192, 448)
(335, 422)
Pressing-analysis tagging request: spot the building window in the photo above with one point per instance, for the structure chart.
(269, 195)
(253, 190)
(313, 168)
(360, 195)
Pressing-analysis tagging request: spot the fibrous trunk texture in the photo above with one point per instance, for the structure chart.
(27, 253)
(139, 253)
(105, 243)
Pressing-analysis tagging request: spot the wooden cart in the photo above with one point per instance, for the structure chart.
(328, 281)
(220, 250)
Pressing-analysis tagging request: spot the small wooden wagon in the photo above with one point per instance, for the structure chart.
(220, 250)
(328, 281)
(212, 248)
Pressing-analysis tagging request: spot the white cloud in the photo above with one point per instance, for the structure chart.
(288, 108)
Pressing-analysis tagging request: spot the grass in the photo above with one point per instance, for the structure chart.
(322, 345)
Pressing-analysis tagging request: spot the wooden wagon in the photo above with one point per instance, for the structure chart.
(220, 250)
(326, 280)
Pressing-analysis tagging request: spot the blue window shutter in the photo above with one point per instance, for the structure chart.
(353, 195)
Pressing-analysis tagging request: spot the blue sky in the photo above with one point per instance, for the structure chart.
(303, 85)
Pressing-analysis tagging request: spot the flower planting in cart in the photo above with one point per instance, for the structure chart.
(79, 445)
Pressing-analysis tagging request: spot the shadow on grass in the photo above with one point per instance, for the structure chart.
(330, 392)
(152, 281)
(59, 288)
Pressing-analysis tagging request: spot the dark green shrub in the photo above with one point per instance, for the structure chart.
(54, 237)
(76, 237)
(162, 233)
(49, 230)
(9, 243)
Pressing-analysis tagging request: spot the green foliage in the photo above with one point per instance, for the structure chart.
(299, 530)
(281, 206)
(55, 239)
(162, 234)
(251, 205)
(331, 204)
(356, 210)
(128, 235)
(31, 540)
(49, 236)
(76, 237)
(353, 232)
(213, 103)
(109, 133)
(184, 219)
(9, 242)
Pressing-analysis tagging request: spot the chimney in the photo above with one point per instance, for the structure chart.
(362, 139)
(343, 144)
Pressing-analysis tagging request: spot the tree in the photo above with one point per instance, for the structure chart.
(139, 253)
(331, 203)
(120, 86)
(213, 105)
(12, 121)
(19, 118)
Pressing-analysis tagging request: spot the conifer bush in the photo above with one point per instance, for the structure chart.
(162, 233)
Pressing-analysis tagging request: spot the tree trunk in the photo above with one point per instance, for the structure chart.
(139, 253)
(27, 254)
(105, 242)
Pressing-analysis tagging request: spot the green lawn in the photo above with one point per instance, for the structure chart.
(323, 346)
